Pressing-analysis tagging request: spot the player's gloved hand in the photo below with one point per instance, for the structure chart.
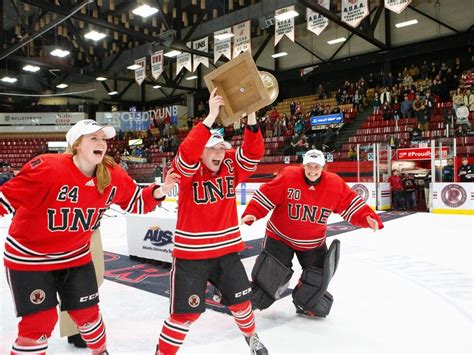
(373, 224)
(171, 179)
(248, 219)
(252, 119)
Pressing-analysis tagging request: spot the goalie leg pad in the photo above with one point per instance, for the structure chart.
(270, 279)
(271, 274)
(310, 296)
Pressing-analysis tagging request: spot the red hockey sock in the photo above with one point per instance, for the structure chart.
(34, 331)
(91, 327)
(174, 330)
(244, 317)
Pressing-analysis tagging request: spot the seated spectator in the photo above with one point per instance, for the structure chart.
(414, 72)
(299, 108)
(330, 139)
(357, 100)
(415, 136)
(407, 80)
(292, 108)
(5, 173)
(467, 80)
(137, 151)
(352, 154)
(462, 118)
(376, 103)
(417, 107)
(123, 164)
(386, 111)
(386, 96)
(469, 100)
(458, 99)
(425, 70)
(458, 68)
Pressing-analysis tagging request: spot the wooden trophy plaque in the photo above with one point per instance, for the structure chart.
(240, 85)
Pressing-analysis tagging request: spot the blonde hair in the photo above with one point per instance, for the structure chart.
(102, 172)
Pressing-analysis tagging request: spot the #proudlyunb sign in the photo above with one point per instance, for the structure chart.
(326, 119)
(419, 153)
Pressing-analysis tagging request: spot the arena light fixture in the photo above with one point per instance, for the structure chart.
(61, 53)
(112, 93)
(10, 80)
(145, 10)
(223, 36)
(156, 86)
(406, 23)
(101, 78)
(192, 77)
(278, 55)
(95, 36)
(31, 68)
(337, 40)
(134, 67)
(62, 86)
(286, 15)
(172, 53)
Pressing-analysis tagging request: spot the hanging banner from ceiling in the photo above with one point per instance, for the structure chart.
(397, 6)
(157, 64)
(222, 46)
(285, 27)
(140, 73)
(200, 45)
(242, 38)
(184, 60)
(354, 11)
(316, 22)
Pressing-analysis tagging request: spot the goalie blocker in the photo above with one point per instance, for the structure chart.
(271, 278)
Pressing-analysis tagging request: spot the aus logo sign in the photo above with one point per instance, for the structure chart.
(158, 237)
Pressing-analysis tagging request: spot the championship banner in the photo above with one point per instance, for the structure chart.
(242, 38)
(316, 22)
(184, 61)
(140, 73)
(285, 27)
(397, 6)
(354, 11)
(200, 45)
(157, 64)
(222, 47)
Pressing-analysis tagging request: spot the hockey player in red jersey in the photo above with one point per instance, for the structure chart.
(207, 238)
(58, 201)
(302, 198)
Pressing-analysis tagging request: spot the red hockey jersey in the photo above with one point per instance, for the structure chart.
(207, 225)
(56, 210)
(301, 211)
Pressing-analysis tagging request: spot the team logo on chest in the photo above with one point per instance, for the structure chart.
(37, 296)
(214, 190)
